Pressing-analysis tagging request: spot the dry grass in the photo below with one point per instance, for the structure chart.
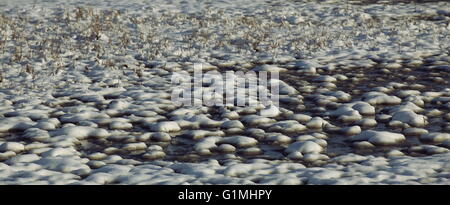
(109, 33)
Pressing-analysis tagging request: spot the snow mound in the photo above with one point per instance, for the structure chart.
(379, 138)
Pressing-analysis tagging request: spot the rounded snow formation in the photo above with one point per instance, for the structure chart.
(414, 131)
(239, 141)
(269, 68)
(165, 127)
(226, 148)
(232, 124)
(379, 138)
(353, 130)
(11, 146)
(316, 123)
(304, 147)
(349, 158)
(117, 125)
(435, 137)
(81, 132)
(287, 126)
(410, 118)
(377, 98)
(270, 111)
(339, 108)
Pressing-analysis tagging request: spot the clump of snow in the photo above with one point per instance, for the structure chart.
(24, 158)
(410, 118)
(269, 68)
(353, 130)
(302, 118)
(226, 148)
(198, 134)
(55, 152)
(367, 122)
(65, 165)
(134, 146)
(36, 134)
(288, 126)
(349, 158)
(277, 138)
(81, 132)
(97, 156)
(428, 149)
(152, 155)
(168, 126)
(435, 137)
(270, 111)
(316, 123)
(10, 123)
(304, 147)
(82, 116)
(240, 141)
(380, 138)
(395, 153)
(204, 145)
(12, 146)
(119, 125)
(256, 120)
(377, 98)
(232, 124)
(412, 131)
(346, 113)
(6, 155)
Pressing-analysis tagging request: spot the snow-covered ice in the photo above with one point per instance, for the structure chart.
(85, 92)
